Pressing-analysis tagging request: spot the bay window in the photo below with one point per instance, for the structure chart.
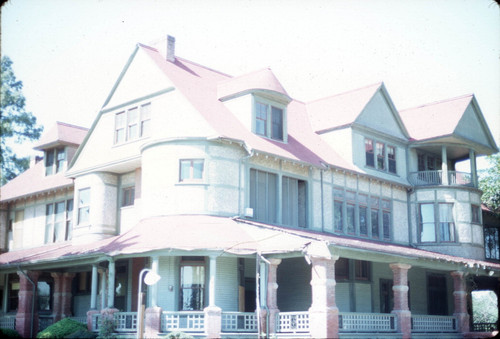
(436, 222)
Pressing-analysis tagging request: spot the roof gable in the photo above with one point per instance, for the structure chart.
(339, 110)
(139, 78)
(381, 115)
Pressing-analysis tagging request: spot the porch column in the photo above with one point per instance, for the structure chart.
(400, 290)
(323, 313)
(272, 294)
(5, 293)
(111, 284)
(460, 301)
(66, 279)
(103, 288)
(473, 167)
(56, 301)
(154, 288)
(213, 314)
(93, 288)
(444, 166)
(27, 314)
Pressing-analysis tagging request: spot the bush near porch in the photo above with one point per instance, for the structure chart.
(62, 329)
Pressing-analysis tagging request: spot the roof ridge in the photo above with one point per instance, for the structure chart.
(203, 66)
(438, 102)
(250, 73)
(346, 92)
(71, 125)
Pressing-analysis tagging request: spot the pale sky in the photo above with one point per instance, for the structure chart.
(69, 53)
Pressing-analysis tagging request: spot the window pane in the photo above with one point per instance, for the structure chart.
(391, 156)
(370, 159)
(374, 221)
(350, 219)
(446, 222)
(83, 206)
(428, 232)
(338, 216)
(386, 224)
(43, 293)
(197, 169)
(192, 287)
(133, 115)
(263, 195)
(185, 170)
(49, 162)
(363, 220)
(380, 155)
(277, 123)
(145, 119)
(261, 118)
(69, 219)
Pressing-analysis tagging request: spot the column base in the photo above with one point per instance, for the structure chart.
(324, 322)
(152, 321)
(403, 322)
(213, 321)
(91, 327)
(463, 322)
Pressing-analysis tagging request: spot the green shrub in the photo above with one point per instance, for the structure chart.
(107, 326)
(82, 334)
(61, 329)
(178, 335)
(8, 333)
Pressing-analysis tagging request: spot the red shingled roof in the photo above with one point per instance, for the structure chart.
(435, 119)
(200, 85)
(61, 134)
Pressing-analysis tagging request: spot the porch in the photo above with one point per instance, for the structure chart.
(287, 323)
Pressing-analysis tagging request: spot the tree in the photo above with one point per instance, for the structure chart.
(17, 125)
(490, 184)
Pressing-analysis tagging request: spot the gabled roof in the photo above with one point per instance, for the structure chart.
(33, 181)
(262, 80)
(340, 109)
(200, 85)
(61, 134)
(442, 119)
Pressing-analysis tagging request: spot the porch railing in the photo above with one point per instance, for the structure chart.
(182, 321)
(239, 322)
(293, 322)
(484, 327)
(125, 321)
(433, 323)
(367, 322)
(8, 321)
(45, 321)
(433, 178)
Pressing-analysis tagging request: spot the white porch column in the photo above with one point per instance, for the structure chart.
(473, 167)
(103, 288)
(323, 313)
(111, 284)
(213, 314)
(272, 294)
(93, 288)
(154, 288)
(444, 166)
(5, 293)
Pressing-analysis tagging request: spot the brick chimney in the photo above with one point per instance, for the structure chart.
(170, 48)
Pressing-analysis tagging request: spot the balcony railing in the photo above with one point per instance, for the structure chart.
(367, 322)
(435, 178)
(433, 323)
(182, 321)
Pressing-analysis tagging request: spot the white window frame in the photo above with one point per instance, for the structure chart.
(268, 133)
(190, 178)
(141, 123)
(437, 223)
(58, 156)
(50, 221)
(385, 156)
(84, 206)
(125, 192)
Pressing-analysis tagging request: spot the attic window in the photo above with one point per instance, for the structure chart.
(133, 123)
(269, 120)
(380, 156)
(54, 160)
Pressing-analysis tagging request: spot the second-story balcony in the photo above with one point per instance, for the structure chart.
(436, 178)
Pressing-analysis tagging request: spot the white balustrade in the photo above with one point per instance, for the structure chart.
(293, 322)
(182, 321)
(125, 321)
(367, 322)
(8, 322)
(239, 322)
(433, 323)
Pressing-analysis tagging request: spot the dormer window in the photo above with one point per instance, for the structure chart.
(133, 123)
(269, 120)
(54, 160)
(380, 156)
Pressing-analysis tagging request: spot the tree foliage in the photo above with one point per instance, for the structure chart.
(17, 125)
(490, 184)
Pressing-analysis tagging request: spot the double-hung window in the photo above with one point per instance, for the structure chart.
(191, 170)
(264, 195)
(83, 206)
(54, 160)
(128, 196)
(192, 293)
(58, 221)
(475, 214)
(269, 120)
(294, 202)
(380, 156)
(132, 123)
(436, 222)
(361, 214)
